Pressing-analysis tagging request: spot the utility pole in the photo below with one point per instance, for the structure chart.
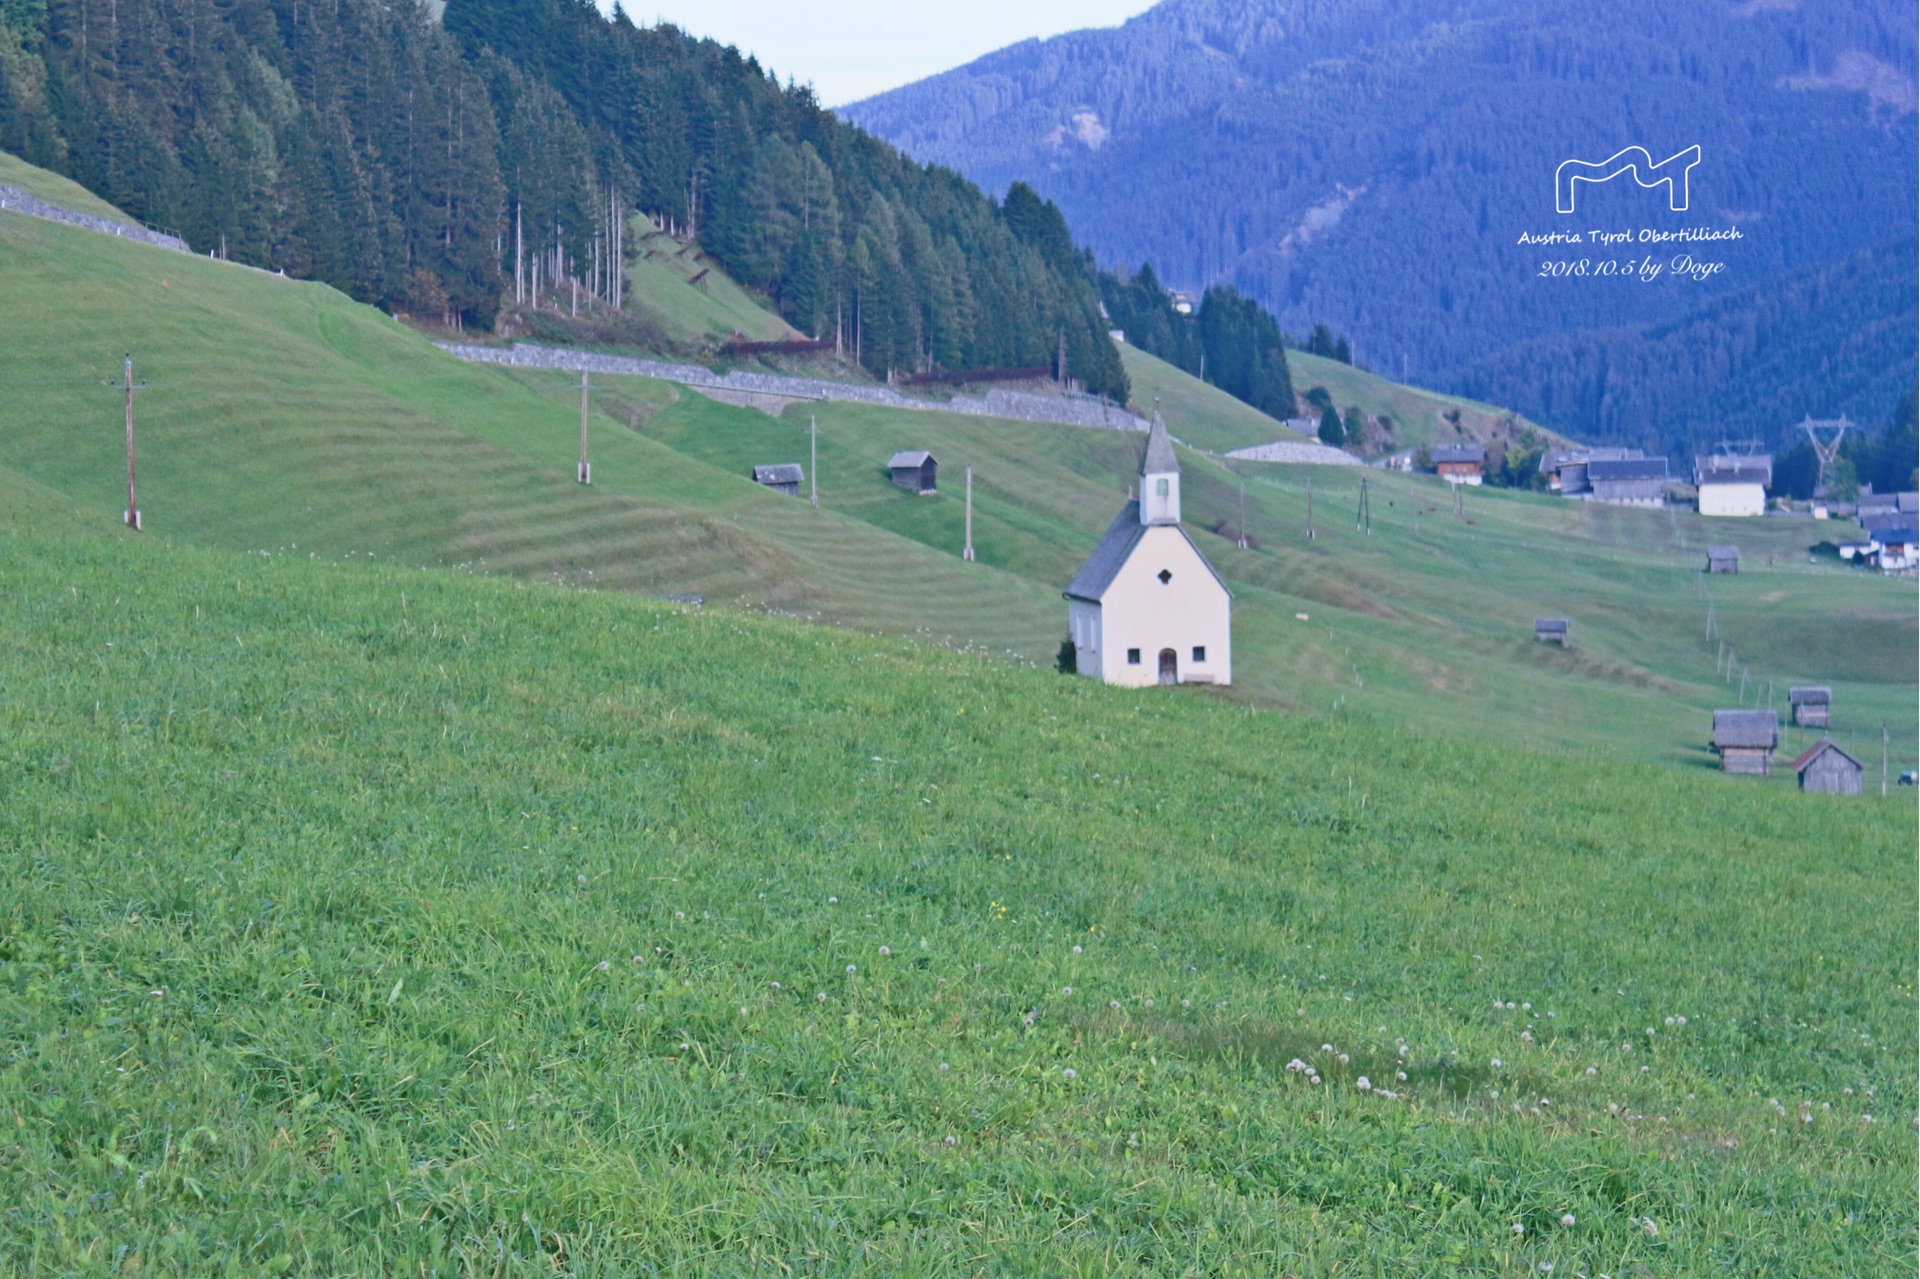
(813, 457)
(585, 473)
(1883, 759)
(967, 553)
(132, 514)
(1242, 543)
(1309, 508)
(519, 265)
(1363, 518)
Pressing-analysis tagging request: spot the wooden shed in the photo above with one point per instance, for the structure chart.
(1723, 559)
(914, 470)
(784, 477)
(1829, 770)
(1550, 630)
(1746, 740)
(1810, 705)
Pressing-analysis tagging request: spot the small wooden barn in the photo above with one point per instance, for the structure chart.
(1550, 630)
(784, 477)
(1829, 770)
(1745, 740)
(1723, 559)
(1810, 705)
(914, 470)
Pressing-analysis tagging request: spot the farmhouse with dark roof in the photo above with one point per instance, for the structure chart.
(1460, 463)
(1146, 607)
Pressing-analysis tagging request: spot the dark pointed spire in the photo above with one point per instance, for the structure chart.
(1159, 459)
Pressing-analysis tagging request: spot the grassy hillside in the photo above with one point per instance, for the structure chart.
(282, 417)
(54, 189)
(1200, 414)
(662, 290)
(375, 921)
(1418, 415)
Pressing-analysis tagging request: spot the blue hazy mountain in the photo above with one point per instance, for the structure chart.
(1375, 164)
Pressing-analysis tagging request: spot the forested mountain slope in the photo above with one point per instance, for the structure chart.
(420, 165)
(1823, 342)
(1374, 164)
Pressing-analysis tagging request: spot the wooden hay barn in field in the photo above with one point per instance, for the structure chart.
(1745, 740)
(784, 477)
(1811, 705)
(914, 470)
(1723, 559)
(1550, 630)
(1828, 770)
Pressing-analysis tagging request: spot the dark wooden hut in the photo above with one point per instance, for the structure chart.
(1829, 770)
(1746, 740)
(914, 470)
(1723, 559)
(784, 477)
(1810, 705)
(1550, 630)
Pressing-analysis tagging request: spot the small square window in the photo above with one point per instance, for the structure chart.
(1165, 575)
(1133, 657)
(1199, 652)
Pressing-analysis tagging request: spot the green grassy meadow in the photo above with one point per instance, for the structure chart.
(370, 920)
(661, 290)
(382, 902)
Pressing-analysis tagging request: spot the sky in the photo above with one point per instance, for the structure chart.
(852, 49)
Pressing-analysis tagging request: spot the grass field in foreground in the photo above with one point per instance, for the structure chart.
(374, 921)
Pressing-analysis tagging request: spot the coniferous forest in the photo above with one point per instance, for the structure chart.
(426, 164)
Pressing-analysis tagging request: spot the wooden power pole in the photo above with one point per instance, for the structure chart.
(132, 514)
(585, 473)
(813, 458)
(967, 552)
(1309, 508)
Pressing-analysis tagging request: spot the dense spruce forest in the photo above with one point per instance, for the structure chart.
(431, 165)
(1374, 163)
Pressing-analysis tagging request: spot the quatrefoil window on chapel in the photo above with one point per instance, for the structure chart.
(1165, 575)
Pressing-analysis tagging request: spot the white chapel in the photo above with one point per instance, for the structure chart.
(1146, 607)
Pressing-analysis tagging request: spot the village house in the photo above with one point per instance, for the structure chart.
(1891, 537)
(1637, 481)
(1146, 607)
(784, 477)
(1566, 469)
(1550, 630)
(1811, 705)
(1731, 485)
(1723, 559)
(1826, 769)
(914, 470)
(1460, 463)
(1745, 740)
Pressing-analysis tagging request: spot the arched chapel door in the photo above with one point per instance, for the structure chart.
(1169, 667)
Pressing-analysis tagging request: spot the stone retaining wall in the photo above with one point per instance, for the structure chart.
(18, 201)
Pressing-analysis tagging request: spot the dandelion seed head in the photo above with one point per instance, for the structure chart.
(1567, 1220)
(1069, 1073)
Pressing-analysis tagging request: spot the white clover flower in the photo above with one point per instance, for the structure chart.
(1066, 990)
(1593, 1070)
(603, 966)
(1519, 1229)
(953, 1141)
(1567, 1219)
(1069, 1073)
(679, 914)
(944, 1068)
(1113, 1003)
(822, 996)
(1496, 1063)
(775, 985)
(885, 951)
(1076, 950)
(1149, 1003)
(851, 970)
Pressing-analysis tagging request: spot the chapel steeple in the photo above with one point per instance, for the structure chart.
(1159, 477)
